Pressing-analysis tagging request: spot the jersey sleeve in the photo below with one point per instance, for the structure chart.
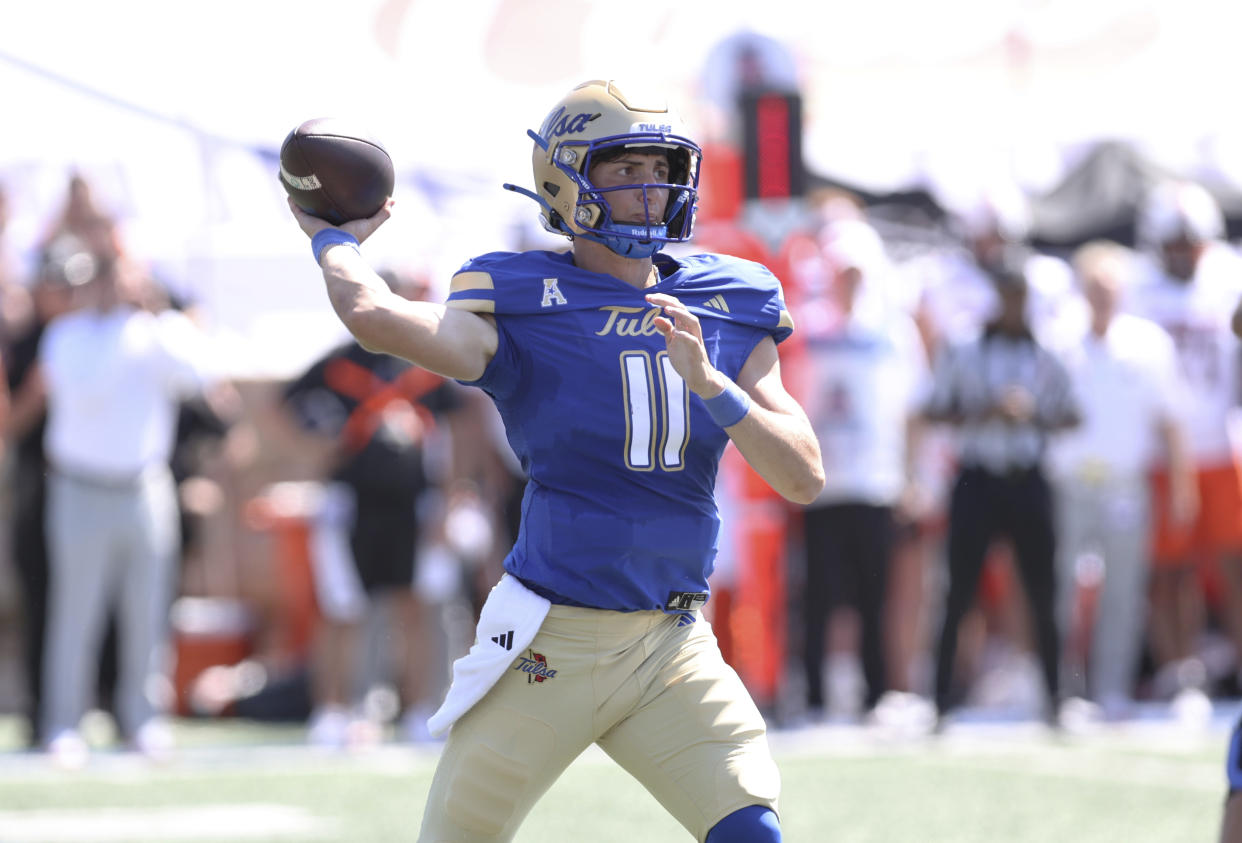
(473, 288)
(512, 283)
(500, 284)
(502, 376)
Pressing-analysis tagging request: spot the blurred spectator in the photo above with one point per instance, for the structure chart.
(16, 308)
(203, 428)
(83, 218)
(9, 272)
(208, 434)
(373, 414)
(863, 371)
(484, 464)
(956, 296)
(958, 293)
(1124, 372)
(1004, 393)
(1190, 287)
(66, 265)
(113, 375)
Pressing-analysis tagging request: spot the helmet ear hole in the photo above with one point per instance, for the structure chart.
(679, 166)
(551, 188)
(680, 218)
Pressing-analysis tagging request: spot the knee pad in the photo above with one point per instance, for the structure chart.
(752, 824)
(484, 795)
(493, 784)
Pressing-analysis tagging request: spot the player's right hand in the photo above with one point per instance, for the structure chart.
(361, 229)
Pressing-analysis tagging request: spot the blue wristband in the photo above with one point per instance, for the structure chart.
(729, 407)
(331, 237)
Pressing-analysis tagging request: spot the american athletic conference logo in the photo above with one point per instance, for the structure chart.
(536, 667)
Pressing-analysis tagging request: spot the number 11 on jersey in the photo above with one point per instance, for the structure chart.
(656, 399)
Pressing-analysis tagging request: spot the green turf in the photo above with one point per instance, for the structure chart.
(836, 787)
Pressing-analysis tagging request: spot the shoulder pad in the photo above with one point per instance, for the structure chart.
(517, 283)
(725, 287)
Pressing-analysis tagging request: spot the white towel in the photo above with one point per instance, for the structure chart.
(510, 618)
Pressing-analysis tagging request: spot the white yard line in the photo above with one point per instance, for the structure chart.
(1153, 771)
(196, 762)
(127, 825)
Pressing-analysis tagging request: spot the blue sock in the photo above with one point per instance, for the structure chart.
(752, 824)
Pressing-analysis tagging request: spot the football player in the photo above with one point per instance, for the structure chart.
(1191, 282)
(621, 373)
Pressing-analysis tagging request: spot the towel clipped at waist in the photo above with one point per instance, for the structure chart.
(510, 618)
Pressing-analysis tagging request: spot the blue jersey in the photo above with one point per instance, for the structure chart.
(619, 511)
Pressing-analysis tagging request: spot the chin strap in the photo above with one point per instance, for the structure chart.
(628, 247)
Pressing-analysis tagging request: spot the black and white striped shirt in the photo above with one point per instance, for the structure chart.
(970, 377)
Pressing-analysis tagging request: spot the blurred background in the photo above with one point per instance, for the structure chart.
(920, 119)
(176, 115)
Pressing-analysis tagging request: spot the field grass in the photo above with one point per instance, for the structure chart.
(1151, 782)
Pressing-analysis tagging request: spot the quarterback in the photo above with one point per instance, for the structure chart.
(621, 373)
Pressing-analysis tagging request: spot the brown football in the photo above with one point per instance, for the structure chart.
(335, 171)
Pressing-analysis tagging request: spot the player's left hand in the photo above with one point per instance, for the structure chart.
(684, 338)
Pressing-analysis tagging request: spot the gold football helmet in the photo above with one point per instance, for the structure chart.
(596, 117)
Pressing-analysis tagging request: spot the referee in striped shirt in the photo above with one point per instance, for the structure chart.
(1004, 393)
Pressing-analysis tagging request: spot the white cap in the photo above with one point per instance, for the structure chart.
(1175, 209)
(852, 243)
(1001, 207)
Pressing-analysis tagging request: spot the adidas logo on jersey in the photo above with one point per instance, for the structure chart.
(504, 639)
(717, 302)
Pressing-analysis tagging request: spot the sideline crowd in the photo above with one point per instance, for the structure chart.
(1032, 497)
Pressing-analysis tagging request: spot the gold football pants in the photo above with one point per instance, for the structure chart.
(656, 695)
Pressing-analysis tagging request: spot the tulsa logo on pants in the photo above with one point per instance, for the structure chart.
(535, 667)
